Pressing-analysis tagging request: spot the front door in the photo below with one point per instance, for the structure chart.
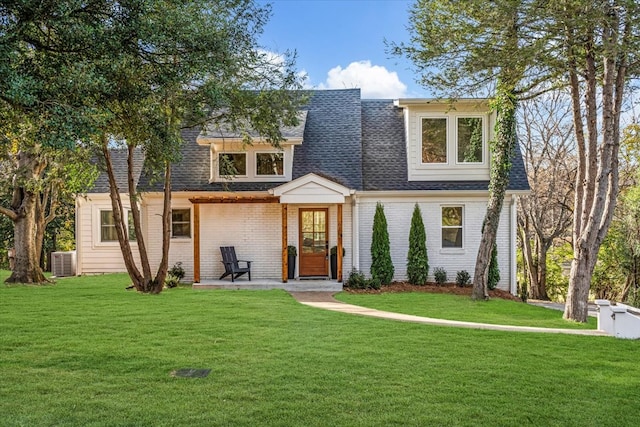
(314, 242)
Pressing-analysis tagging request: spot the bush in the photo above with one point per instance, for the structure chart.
(357, 280)
(463, 278)
(494, 270)
(417, 258)
(440, 275)
(177, 271)
(292, 250)
(174, 275)
(381, 265)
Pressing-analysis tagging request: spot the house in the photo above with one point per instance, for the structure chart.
(320, 190)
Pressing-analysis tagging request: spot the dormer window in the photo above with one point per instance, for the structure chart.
(232, 164)
(269, 164)
(470, 139)
(442, 136)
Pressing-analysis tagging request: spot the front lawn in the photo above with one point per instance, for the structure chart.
(458, 307)
(85, 352)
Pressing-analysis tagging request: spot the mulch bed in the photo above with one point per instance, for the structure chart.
(449, 288)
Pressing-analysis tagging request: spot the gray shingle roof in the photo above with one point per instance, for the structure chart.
(119, 161)
(357, 143)
(218, 130)
(384, 159)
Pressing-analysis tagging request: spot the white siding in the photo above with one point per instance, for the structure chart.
(94, 256)
(417, 171)
(398, 212)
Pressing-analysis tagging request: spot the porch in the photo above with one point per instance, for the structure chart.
(305, 285)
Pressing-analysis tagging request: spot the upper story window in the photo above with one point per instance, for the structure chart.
(232, 164)
(462, 135)
(269, 164)
(470, 141)
(434, 140)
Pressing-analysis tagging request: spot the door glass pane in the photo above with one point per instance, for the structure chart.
(307, 221)
(307, 243)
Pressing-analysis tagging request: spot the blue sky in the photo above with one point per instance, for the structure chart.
(340, 44)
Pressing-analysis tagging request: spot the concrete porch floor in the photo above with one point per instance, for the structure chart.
(293, 285)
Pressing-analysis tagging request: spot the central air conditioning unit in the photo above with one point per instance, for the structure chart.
(63, 264)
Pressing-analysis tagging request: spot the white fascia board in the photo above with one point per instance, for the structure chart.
(218, 142)
(311, 178)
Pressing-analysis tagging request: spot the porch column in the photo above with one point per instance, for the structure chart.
(285, 254)
(339, 248)
(196, 243)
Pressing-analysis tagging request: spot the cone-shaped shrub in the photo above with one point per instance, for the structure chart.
(494, 270)
(381, 265)
(417, 259)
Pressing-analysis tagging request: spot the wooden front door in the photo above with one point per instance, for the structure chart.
(314, 242)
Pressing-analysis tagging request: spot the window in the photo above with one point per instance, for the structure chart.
(470, 140)
(270, 164)
(108, 227)
(181, 223)
(232, 164)
(434, 140)
(452, 226)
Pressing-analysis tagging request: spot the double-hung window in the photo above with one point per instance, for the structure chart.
(181, 223)
(452, 227)
(108, 227)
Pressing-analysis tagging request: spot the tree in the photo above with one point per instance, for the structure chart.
(381, 265)
(181, 65)
(46, 82)
(546, 139)
(466, 47)
(527, 47)
(494, 269)
(417, 258)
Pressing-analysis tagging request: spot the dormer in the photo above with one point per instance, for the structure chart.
(447, 141)
(258, 162)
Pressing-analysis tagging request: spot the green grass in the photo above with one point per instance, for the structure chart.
(456, 307)
(85, 352)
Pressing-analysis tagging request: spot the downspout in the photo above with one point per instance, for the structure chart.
(355, 235)
(513, 243)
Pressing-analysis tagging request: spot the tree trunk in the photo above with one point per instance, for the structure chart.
(23, 214)
(576, 307)
(500, 169)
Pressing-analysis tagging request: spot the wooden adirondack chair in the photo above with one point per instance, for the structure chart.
(231, 266)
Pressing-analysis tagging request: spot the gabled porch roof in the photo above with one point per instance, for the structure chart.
(311, 188)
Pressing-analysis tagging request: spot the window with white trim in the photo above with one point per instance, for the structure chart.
(452, 227)
(464, 135)
(181, 223)
(269, 164)
(232, 164)
(108, 227)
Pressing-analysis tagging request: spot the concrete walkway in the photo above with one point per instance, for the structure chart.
(325, 301)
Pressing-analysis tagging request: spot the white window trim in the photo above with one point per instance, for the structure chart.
(284, 164)
(485, 139)
(447, 143)
(252, 176)
(97, 228)
(182, 238)
(452, 141)
(460, 250)
(227, 177)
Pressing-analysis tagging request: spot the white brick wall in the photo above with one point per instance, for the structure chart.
(398, 212)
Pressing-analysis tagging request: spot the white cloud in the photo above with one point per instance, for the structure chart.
(374, 81)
